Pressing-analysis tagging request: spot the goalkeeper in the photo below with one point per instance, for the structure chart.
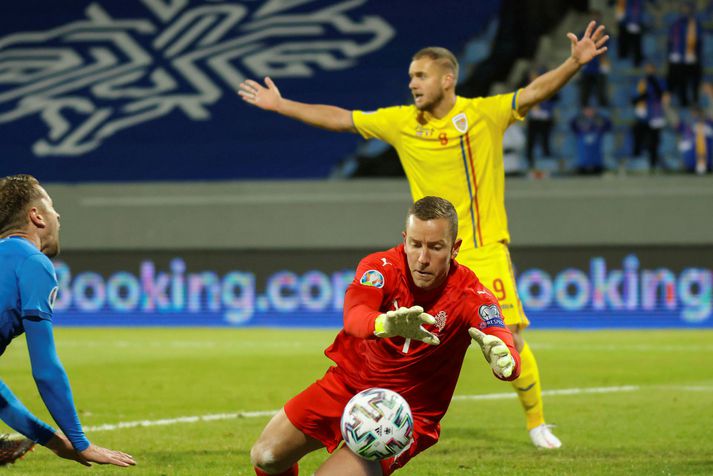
(409, 316)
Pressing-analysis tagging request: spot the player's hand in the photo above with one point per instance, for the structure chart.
(60, 445)
(495, 352)
(591, 44)
(267, 98)
(406, 322)
(97, 454)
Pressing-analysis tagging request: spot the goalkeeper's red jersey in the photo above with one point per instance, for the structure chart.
(423, 374)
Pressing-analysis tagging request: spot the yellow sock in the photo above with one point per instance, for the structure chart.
(528, 389)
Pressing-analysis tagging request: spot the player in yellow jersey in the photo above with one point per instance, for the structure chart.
(450, 146)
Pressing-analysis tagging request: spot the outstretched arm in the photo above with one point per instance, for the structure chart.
(363, 319)
(19, 418)
(582, 52)
(268, 98)
(52, 381)
(56, 393)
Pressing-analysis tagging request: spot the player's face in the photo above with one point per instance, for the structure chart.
(426, 84)
(429, 249)
(50, 234)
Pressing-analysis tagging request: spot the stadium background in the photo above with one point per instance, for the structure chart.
(83, 104)
(181, 206)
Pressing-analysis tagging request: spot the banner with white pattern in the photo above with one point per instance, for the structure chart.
(109, 90)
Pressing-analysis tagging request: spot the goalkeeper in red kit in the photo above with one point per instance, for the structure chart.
(409, 316)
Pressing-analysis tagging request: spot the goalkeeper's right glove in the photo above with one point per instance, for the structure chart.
(406, 322)
(495, 352)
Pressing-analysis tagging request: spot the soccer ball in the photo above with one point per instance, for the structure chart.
(377, 424)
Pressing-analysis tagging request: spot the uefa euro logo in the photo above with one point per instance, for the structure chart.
(100, 75)
(373, 279)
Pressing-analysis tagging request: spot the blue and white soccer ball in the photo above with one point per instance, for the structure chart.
(377, 424)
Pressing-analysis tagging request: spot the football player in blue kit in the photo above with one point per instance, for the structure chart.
(29, 237)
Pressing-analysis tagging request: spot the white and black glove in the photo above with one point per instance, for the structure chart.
(495, 352)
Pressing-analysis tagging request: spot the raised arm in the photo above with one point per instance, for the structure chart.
(582, 52)
(268, 98)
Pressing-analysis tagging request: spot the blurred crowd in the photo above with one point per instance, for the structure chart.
(658, 95)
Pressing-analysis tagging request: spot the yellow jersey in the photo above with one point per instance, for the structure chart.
(458, 157)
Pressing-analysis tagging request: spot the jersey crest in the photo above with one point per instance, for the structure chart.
(460, 121)
(52, 297)
(441, 320)
(372, 278)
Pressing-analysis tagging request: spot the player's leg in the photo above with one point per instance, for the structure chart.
(344, 461)
(493, 267)
(529, 391)
(527, 385)
(280, 446)
(308, 421)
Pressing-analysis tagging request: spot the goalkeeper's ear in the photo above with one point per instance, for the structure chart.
(456, 248)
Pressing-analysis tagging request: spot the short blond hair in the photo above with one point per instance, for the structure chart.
(433, 208)
(442, 56)
(17, 195)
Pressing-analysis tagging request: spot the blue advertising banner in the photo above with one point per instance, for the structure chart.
(146, 89)
(559, 288)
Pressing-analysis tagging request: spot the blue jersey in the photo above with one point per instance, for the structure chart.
(28, 287)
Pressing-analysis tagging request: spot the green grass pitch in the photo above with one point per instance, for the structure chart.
(660, 423)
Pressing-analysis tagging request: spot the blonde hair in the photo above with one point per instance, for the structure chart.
(442, 56)
(17, 194)
(432, 208)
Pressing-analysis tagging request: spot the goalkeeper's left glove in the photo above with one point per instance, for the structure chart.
(495, 352)
(406, 322)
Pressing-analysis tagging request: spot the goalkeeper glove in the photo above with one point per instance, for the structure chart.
(406, 322)
(495, 352)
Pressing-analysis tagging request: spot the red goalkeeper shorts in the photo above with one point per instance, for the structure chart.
(317, 412)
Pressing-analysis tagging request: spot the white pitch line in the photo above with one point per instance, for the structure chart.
(563, 391)
(257, 414)
(185, 419)
(691, 388)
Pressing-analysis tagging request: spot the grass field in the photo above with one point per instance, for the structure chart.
(653, 415)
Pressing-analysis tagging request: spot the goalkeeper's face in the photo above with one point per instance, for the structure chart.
(429, 250)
